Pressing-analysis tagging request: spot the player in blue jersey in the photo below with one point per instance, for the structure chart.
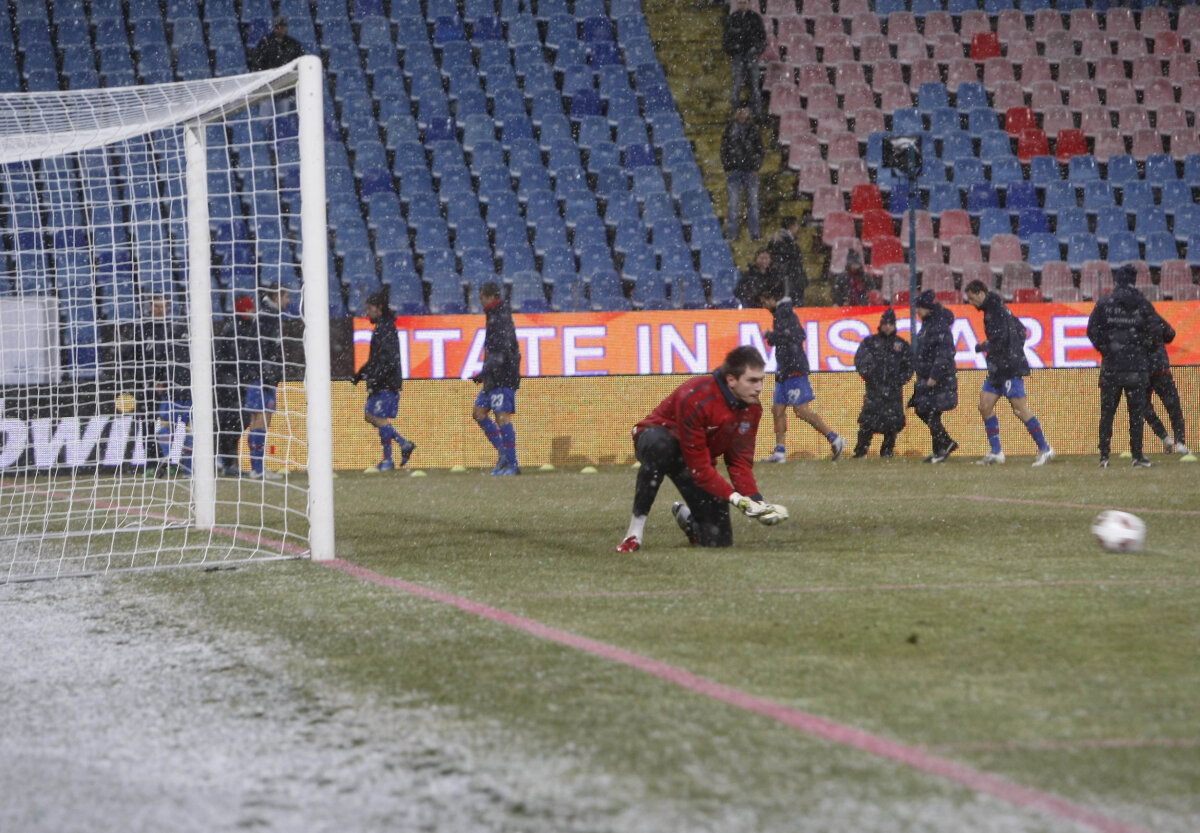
(384, 379)
(792, 387)
(498, 380)
(1006, 366)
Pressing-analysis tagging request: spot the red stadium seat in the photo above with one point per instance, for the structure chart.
(924, 226)
(964, 249)
(1027, 295)
(885, 253)
(953, 223)
(1018, 119)
(1016, 275)
(1173, 276)
(1055, 119)
(938, 277)
(1154, 20)
(837, 224)
(1057, 277)
(863, 198)
(841, 247)
(1031, 143)
(1070, 143)
(827, 200)
(900, 24)
(977, 272)
(1107, 144)
(985, 45)
(1005, 249)
(877, 224)
(997, 71)
(1095, 279)
(1007, 96)
(1081, 95)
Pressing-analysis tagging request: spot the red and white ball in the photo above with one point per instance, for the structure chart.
(1119, 531)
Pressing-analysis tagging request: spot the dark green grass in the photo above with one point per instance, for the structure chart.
(993, 631)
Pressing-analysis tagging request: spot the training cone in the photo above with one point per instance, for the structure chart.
(458, 469)
(588, 470)
(546, 467)
(1188, 458)
(1125, 455)
(417, 473)
(637, 464)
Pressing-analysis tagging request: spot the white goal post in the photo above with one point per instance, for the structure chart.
(164, 326)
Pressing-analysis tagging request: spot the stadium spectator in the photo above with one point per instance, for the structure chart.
(710, 416)
(935, 389)
(275, 49)
(851, 288)
(1004, 346)
(156, 364)
(1126, 330)
(260, 351)
(499, 379)
(384, 378)
(792, 387)
(228, 394)
(788, 260)
(884, 361)
(1162, 382)
(744, 39)
(741, 157)
(758, 279)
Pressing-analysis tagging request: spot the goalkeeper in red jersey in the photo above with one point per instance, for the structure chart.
(706, 418)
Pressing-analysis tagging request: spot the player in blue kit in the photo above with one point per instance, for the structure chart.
(792, 388)
(384, 378)
(499, 379)
(1006, 365)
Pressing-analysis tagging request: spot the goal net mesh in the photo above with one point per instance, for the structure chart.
(98, 337)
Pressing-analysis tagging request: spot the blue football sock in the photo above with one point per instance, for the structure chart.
(508, 437)
(992, 426)
(385, 439)
(257, 440)
(831, 436)
(1035, 430)
(492, 431)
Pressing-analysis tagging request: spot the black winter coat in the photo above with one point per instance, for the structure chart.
(1160, 362)
(788, 340)
(1125, 328)
(272, 51)
(755, 283)
(382, 369)
(1005, 344)
(502, 359)
(741, 147)
(935, 360)
(885, 363)
(745, 34)
(789, 263)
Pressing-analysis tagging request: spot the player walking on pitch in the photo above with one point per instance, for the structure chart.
(710, 416)
(499, 378)
(792, 387)
(1006, 365)
(384, 379)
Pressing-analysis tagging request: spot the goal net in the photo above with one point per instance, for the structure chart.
(164, 317)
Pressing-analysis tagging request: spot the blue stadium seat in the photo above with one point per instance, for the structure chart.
(1191, 169)
(907, 121)
(1030, 222)
(995, 145)
(1082, 169)
(1110, 221)
(605, 291)
(981, 195)
(1176, 196)
(1069, 223)
(1019, 195)
(1044, 170)
(1123, 247)
(970, 96)
(957, 145)
(1122, 169)
(933, 174)
(1137, 197)
(944, 120)
(1097, 195)
(1187, 220)
(1160, 247)
(1160, 168)
(1043, 248)
(969, 172)
(943, 197)
(1148, 221)
(932, 95)
(1059, 196)
(981, 120)
(993, 221)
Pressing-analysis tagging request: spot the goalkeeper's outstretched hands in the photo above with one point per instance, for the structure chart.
(765, 513)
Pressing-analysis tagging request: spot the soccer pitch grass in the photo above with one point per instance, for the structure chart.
(959, 611)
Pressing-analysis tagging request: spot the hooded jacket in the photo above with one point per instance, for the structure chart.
(1005, 344)
(935, 360)
(1125, 328)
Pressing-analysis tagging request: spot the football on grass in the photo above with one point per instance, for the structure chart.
(1119, 531)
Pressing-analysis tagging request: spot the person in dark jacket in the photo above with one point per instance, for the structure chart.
(1007, 366)
(156, 363)
(260, 350)
(759, 278)
(227, 391)
(851, 287)
(741, 157)
(935, 388)
(788, 260)
(1125, 329)
(499, 379)
(276, 49)
(792, 386)
(744, 38)
(884, 361)
(385, 378)
(1162, 382)
(707, 417)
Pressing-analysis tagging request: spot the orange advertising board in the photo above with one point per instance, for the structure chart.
(694, 341)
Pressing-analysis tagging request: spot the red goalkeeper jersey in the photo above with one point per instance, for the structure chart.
(710, 422)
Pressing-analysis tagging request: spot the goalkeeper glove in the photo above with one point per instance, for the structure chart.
(767, 514)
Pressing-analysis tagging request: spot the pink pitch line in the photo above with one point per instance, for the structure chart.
(236, 534)
(820, 727)
(1067, 505)
(980, 585)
